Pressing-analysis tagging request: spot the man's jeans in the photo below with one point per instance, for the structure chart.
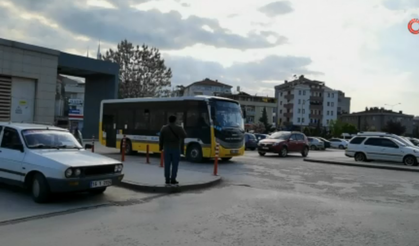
(171, 156)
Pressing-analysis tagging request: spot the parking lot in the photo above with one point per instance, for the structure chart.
(363, 202)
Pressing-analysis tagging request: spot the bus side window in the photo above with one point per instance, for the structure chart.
(142, 119)
(157, 120)
(125, 118)
(192, 118)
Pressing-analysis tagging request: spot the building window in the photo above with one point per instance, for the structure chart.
(331, 112)
(280, 111)
(299, 101)
(299, 92)
(299, 110)
(280, 102)
(304, 93)
(327, 122)
(304, 111)
(281, 94)
(328, 94)
(333, 104)
(328, 104)
(328, 112)
(298, 120)
(333, 95)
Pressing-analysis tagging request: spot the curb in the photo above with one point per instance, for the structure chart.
(163, 189)
(387, 167)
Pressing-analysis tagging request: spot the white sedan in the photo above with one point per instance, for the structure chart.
(48, 159)
(338, 143)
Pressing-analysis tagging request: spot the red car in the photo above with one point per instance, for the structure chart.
(284, 142)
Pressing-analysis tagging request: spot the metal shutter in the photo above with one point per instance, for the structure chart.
(5, 97)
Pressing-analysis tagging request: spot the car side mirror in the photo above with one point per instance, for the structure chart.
(88, 146)
(19, 147)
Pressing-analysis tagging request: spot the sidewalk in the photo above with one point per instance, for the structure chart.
(346, 161)
(145, 177)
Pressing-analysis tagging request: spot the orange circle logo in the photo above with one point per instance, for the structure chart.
(410, 26)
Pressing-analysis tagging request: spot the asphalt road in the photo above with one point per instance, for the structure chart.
(262, 201)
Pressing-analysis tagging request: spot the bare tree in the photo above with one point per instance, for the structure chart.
(142, 71)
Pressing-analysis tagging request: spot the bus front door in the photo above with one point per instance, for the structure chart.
(110, 129)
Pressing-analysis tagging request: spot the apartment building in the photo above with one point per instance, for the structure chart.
(206, 87)
(303, 102)
(254, 105)
(344, 103)
(375, 119)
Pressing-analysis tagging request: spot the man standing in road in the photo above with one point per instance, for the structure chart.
(171, 137)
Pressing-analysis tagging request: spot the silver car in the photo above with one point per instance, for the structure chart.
(316, 144)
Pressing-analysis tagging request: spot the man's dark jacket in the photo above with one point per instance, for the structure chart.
(171, 136)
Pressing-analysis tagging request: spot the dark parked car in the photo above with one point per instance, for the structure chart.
(325, 141)
(251, 141)
(284, 142)
(260, 136)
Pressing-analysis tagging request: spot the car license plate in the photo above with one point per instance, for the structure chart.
(101, 183)
(234, 151)
(265, 147)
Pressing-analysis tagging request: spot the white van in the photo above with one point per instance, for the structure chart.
(385, 134)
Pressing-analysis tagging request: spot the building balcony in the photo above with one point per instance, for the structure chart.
(316, 116)
(288, 105)
(316, 98)
(288, 115)
(316, 106)
(289, 96)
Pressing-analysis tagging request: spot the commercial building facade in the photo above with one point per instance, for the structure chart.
(375, 119)
(28, 83)
(303, 102)
(254, 105)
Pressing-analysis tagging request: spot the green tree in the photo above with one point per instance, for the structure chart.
(349, 128)
(338, 127)
(335, 127)
(394, 127)
(264, 120)
(142, 71)
(307, 131)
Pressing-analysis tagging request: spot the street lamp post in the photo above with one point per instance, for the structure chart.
(392, 105)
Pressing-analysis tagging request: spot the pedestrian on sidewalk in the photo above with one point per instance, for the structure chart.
(171, 138)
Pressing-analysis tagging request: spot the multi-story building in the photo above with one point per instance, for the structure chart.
(254, 105)
(344, 103)
(206, 87)
(303, 102)
(375, 119)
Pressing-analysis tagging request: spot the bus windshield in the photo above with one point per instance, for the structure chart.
(228, 114)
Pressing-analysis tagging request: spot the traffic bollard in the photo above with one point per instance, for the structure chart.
(147, 154)
(93, 143)
(162, 158)
(216, 159)
(123, 149)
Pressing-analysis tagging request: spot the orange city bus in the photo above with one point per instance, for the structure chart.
(207, 120)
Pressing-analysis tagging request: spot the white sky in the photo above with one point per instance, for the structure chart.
(361, 47)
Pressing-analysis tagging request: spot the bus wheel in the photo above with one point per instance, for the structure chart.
(194, 153)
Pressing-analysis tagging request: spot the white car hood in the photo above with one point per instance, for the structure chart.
(75, 158)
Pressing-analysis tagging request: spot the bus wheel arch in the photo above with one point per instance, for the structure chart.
(194, 152)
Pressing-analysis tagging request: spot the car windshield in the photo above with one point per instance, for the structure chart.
(280, 135)
(228, 114)
(49, 139)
